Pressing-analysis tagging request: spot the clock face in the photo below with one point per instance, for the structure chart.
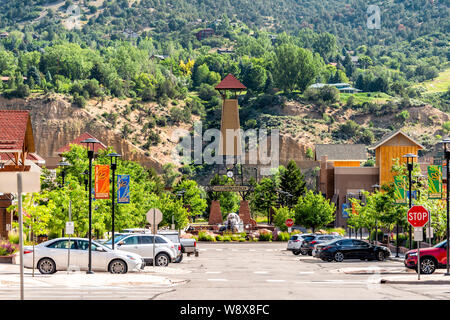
(230, 174)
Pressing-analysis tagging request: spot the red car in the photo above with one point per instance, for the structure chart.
(430, 258)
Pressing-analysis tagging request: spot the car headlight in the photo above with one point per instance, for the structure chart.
(413, 254)
(131, 257)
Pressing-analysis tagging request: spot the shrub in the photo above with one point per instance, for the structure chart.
(265, 236)
(235, 237)
(13, 237)
(227, 238)
(8, 248)
(219, 238)
(380, 235)
(340, 231)
(446, 126)
(204, 236)
(283, 236)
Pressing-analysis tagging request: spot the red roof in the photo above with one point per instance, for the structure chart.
(13, 129)
(230, 83)
(4, 156)
(84, 136)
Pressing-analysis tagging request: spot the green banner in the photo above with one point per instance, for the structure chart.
(400, 189)
(434, 182)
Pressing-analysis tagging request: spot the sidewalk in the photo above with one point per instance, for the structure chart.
(437, 278)
(10, 276)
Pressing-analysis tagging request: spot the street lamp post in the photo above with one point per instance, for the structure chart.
(113, 156)
(447, 158)
(85, 174)
(376, 187)
(90, 144)
(63, 165)
(410, 166)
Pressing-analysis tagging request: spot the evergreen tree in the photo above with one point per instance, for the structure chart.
(292, 180)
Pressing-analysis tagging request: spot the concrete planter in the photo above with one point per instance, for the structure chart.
(8, 259)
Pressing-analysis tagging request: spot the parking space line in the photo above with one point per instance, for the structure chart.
(213, 272)
(219, 249)
(272, 280)
(261, 272)
(251, 250)
(306, 272)
(221, 280)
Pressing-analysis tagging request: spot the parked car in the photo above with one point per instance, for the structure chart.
(296, 240)
(321, 240)
(430, 258)
(341, 249)
(142, 244)
(188, 246)
(308, 245)
(52, 255)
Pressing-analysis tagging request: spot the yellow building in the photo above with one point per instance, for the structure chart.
(393, 146)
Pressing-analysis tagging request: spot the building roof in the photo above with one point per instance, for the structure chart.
(230, 83)
(391, 135)
(341, 152)
(84, 136)
(16, 131)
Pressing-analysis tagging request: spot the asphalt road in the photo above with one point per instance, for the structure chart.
(231, 271)
(267, 271)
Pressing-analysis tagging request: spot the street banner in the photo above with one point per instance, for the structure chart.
(400, 189)
(101, 181)
(345, 212)
(434, 182)
(123, 188)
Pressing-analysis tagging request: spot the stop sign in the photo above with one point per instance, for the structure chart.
(289, 222)
(418, 216)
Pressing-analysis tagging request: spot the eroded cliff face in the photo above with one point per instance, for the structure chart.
(56, 123)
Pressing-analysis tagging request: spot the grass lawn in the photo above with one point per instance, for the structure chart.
(361, 97)
(439, 84)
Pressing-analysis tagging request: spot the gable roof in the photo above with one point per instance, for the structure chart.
(341, 152)
(16, 131)
(84, 136)
(230, 83)
(391, 135)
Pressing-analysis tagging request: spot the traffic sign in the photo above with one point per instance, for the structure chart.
(418, 216)
(154, 217)
(70, 227)
(289, 223)
(418, 234)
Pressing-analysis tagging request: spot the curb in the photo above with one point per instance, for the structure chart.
(418, 282)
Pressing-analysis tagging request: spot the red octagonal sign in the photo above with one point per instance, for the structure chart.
(289, 222)
(418, 216)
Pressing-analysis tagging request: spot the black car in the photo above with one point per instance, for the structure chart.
(341, 249)
(308, 244)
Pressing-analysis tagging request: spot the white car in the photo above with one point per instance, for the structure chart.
(142, 244)
(52, 256)
(295, 242)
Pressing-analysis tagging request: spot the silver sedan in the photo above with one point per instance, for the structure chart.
(52, 256)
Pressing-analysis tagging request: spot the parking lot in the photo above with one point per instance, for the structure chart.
(259, 270)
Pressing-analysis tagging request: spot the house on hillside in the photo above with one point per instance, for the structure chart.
(204, 33)
(342, 87)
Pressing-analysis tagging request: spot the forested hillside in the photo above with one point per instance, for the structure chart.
(149, 53)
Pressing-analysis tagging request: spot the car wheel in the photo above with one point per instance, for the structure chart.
(162, 260)
(380, 256)
(46, 266)
(427, 266)
(309, 253)
(179, 259)
(304, 252)
(338, 256)
(117, 266)
(296, 252)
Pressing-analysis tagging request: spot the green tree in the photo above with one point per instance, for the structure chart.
(265, 195)
(280, 217)
(229, 201)
(192, 197)
(292, 180)
(314, 211)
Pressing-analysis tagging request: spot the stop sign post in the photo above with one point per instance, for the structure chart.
(289, 223)
(418, 216)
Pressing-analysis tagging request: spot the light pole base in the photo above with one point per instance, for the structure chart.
(90, 272)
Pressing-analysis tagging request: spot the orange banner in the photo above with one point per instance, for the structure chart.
(101, 181)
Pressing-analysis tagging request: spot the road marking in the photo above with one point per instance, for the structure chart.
(328, 282)
(306, 272)
(252, 250)
(269, 249)
(213, 272)
(219, 249)
(222, 280)
(234, 250)
(202, 249)
(261, 272)
(271, 280)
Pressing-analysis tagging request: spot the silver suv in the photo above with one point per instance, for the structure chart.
(142, 244)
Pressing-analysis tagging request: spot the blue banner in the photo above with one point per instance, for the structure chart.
(123, 188)
(345, 213)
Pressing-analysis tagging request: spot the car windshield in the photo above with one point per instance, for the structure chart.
(441, 244)
(116, 238)
(293, 237)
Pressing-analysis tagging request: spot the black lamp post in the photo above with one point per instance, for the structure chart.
(376, 187)
(85, 174)
(63, 165)
(410, 167)
(90, 144)
(447, 157)
(113, 156)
